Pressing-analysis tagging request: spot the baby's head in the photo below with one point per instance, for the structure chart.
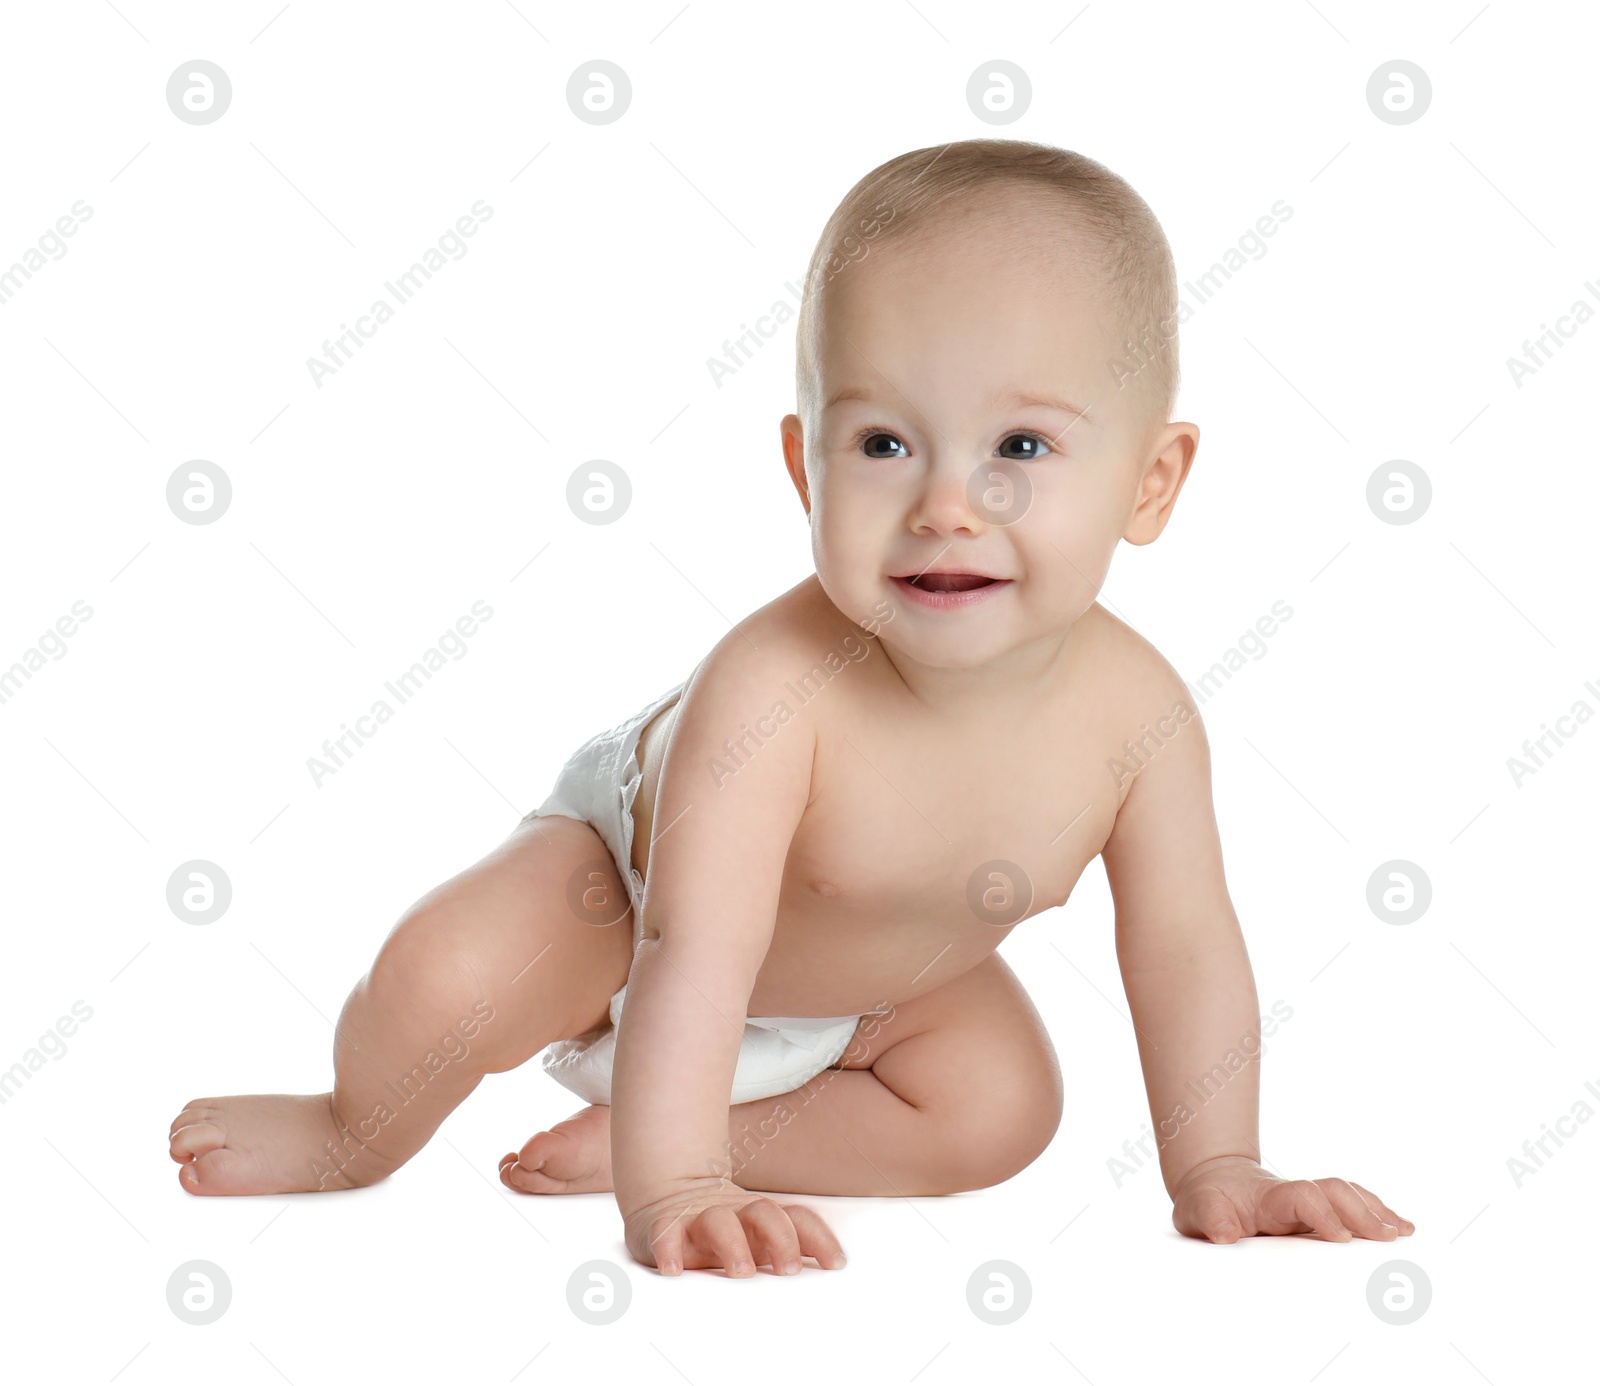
(986, 368)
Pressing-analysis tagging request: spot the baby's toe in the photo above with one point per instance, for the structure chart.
(218, 1171)
(561, 1161)
(198, 1138)
(515, 1175)
(192, 1112)
(563, 1155)
(538, 1148)
(530, 1169)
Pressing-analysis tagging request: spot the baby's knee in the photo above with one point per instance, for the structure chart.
(1007, 1130)
(438, 955)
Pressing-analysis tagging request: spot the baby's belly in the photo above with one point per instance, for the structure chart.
(829, 959)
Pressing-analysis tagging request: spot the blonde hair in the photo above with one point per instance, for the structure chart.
(905, 193)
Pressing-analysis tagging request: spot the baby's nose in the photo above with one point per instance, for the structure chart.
(946, 502)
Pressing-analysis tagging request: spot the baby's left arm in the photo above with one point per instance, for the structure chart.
(1193, 1000)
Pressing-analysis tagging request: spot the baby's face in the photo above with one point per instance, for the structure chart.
(974, 463)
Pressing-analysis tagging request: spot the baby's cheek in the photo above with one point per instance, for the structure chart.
(849, 590)
(843, 545)
(1066, 571)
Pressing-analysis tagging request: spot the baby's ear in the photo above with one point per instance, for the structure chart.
(794, 456)
(1164, 473)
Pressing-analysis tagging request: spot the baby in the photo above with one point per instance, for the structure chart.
(781, 884)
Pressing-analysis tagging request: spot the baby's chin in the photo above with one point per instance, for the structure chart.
(974, 642)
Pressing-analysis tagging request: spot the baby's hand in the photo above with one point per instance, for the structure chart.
(1232, 1197)
(711, 1223)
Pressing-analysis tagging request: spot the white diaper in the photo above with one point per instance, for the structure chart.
(598, 785)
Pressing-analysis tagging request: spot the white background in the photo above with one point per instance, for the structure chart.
(369, 514)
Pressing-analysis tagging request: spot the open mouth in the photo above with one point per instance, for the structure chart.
(946, 590)
(951, 582)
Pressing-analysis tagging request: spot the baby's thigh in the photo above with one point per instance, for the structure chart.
(540, 928)
(973, 1047)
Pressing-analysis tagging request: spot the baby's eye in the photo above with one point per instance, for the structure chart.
(1034, 447)
(870, 442)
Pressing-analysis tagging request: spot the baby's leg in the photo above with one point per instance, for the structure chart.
(477, 977)
(958, 1089)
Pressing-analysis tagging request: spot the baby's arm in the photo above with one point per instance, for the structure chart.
(713, 881)
(1193, 1000)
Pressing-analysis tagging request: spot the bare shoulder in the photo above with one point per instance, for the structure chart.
(775, 644)
(1163, 856)
(757, 680)
(1147, 716)
(1133, 676)
(737, 700)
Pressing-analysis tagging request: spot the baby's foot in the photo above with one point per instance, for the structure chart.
(269, 1145)
(573, 1156)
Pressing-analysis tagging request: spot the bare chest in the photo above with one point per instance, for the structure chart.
(904, 827)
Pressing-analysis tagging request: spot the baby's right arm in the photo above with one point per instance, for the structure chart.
(716, 863)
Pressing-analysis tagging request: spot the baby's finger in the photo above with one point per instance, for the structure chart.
(1388, 1214)
(1355, 1213)
(1301, 1199)
(666, 1244)
(816, 1237)
(772, 1236)
(719, 1235)
(1211, 1214)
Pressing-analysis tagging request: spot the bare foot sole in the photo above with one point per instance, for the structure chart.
(573, 1156)
(269, 1145)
